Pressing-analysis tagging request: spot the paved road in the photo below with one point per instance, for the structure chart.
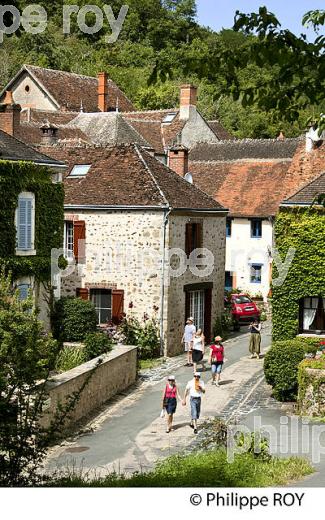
(117, 432)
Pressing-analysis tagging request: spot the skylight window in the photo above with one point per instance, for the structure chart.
(169, 118)
(80, 170)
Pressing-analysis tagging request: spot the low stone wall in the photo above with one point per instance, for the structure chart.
(117, 372)
(311, 397)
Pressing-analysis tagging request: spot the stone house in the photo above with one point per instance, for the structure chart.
(31, 216)
(299, 303)
(132, 224)
(252, 177)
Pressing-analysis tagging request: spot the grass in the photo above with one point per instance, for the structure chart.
(147, 364)
(204, 469)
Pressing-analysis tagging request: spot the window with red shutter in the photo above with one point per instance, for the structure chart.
(118, 305)
(193, 237)
(83, 294)
(79, 236)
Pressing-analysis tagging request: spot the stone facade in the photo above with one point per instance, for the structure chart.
(311, 398)
(125, 251)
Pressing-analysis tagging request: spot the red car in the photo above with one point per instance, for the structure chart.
(243, 310)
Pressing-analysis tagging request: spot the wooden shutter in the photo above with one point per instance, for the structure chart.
(24, 232)
(199, 236)
(207, 314)
(117, 305)
(79, 233)
(83, 294)
(188, 239)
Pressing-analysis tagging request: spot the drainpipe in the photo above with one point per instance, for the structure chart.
(162, 303)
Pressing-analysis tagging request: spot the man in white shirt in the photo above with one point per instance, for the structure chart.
(189, 332)
(196, 389)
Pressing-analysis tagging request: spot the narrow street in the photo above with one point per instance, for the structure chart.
(129, 435)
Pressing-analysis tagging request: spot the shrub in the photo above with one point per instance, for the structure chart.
(97, 343)
(145, 335)
(223, 324)
(70, 357)
(73, 318)
(281, 365)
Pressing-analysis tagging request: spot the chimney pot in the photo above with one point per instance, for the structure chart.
(102, 92)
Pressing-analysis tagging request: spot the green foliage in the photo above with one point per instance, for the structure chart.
(16, 177)
(73, 319)
(281, 365)
(303, 230)
(97, 343)
(70, 357)
(209, 468)
(223, 324)
(145, 335)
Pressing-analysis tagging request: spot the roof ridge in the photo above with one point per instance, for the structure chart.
(160, 111)
(151, 175)
(60, 71)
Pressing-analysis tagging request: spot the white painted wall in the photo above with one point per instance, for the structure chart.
(34, 98)
(242, 250)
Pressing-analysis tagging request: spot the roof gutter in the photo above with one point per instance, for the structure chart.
(295, 204)
(95, 207)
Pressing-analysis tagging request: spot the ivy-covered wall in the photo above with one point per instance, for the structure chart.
(16, 177)
(303, 229)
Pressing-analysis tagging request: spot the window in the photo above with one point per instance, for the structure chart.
(228, 281)
(228, 227)
(25, 223)
(102, 299)
(169, 118)
(80, 170)
(193, 237)
(68, 239)
(23, 290)
(312, 314)
(197, 299)
(256, 273)
(256, 228)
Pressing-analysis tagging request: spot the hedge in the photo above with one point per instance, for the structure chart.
(73, 319)
(281, 365)
(302, 229)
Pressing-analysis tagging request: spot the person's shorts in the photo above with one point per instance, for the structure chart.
(195, 407)
(216, 367)
(197, 356)
(187, 346)
(171, 404)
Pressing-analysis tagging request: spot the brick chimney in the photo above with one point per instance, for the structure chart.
(9, 115)
(188, 101)
(178, 159)
(102, 92)
(49, 134)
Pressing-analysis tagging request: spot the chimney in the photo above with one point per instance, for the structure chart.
(178, 159)
(281, 137)
(9, 115)
(188, 101)
(103, 92)
(49, 134)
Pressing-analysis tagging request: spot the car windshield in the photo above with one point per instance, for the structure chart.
(243, 299)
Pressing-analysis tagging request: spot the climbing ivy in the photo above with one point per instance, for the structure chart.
(302, 229)
(16, 177)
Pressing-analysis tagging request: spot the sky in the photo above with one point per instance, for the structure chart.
(220, 13)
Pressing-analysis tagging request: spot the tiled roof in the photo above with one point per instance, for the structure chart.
(127, 175)
(233, 150)
(255, 187)
(70, 90)
(308, 193)
(12, 149)
(219, 130)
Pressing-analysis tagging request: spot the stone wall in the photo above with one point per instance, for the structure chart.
(311, 396)
(117, 372)
(214, 241)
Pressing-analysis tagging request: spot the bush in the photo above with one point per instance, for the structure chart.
(96, 344)
(281, 365)
(73, 318)
(70, 357)
(223, 324)
(144, 335)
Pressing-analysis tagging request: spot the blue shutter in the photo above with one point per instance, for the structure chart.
(24, 231)
(23, 291)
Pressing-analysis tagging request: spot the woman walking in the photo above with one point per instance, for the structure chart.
(170, 395)
(255, 339)
(198, 349)
(216, 360)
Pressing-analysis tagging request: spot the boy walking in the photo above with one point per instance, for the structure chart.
(195, 388)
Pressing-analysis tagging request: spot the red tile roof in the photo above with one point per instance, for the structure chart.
(127, 175)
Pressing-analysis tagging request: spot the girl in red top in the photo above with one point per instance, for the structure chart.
(170, 395)
(216, 360)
